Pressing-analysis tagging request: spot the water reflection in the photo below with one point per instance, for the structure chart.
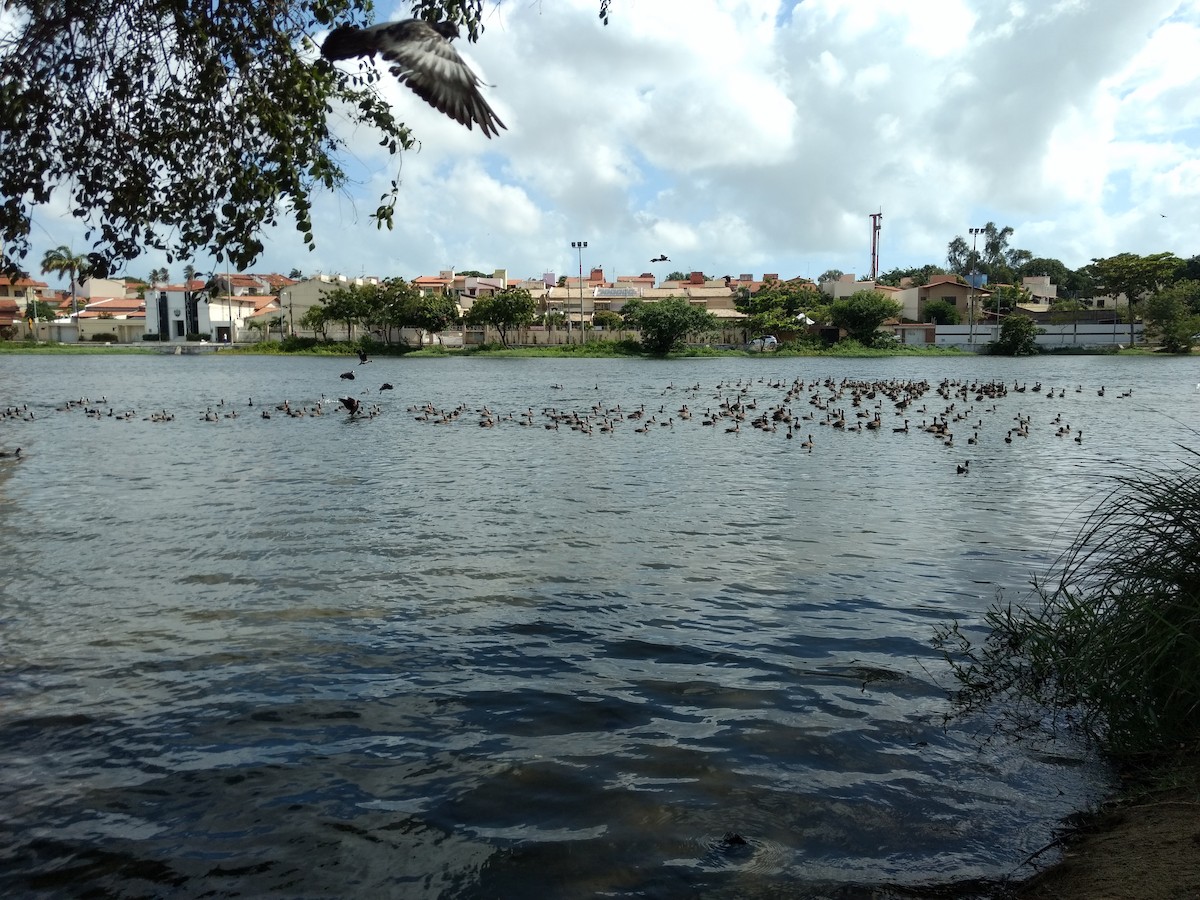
(304, 657)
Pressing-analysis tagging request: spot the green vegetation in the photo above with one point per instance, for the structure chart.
(380, 310)
(776, 306)
(1018, 337)
(1111, 647)
(941, 312)
(139, 90)
(995, 258)
(665, 323)
(1135, 276)
(861, 314)
(1174, 313)
(44, 347)
(504, 310)
(608, 320)
(919, 275)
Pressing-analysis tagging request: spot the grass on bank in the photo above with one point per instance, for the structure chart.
(1110, 644)
(73, 349)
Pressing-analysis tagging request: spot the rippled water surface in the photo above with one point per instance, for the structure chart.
(319, 657)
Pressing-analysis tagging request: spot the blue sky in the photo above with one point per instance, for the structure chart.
(752, 136)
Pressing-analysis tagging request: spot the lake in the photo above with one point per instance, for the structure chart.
(404, 655)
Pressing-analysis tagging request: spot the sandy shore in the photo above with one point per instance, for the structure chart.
(1145, 846)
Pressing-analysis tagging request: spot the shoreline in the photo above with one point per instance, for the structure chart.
(593, 350)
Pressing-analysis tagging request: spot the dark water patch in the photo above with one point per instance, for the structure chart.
(398, 677)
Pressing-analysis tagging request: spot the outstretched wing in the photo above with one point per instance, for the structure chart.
(424, 60)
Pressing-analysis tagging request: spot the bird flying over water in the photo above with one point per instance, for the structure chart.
(351, 404)
(422, 58)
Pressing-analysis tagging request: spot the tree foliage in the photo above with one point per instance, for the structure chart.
(920, 275)
(861, 314)
(987, 253)
(1058, 272)
(432, 313)
(1018, 336)
(63, 261)
(504, 310)
(665, 323)
(609, 320)
(347, 304)
(1174, 312)
(184, 126)
(1135, 276)
(1005, 297)
(941, 312)
(40, 311)
(777, 305)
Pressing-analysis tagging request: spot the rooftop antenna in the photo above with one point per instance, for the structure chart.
(876, 227)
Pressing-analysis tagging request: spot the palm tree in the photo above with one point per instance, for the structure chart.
(62, 261)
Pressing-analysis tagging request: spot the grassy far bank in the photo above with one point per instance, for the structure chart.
(76, 349)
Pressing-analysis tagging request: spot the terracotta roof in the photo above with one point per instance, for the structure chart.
(117, 306)
(24, 281)
(276, 281)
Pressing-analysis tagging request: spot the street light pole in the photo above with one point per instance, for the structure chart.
(975, 232)
(579, 245)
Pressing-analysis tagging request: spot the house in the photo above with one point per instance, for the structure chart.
(946, 288)
(10, 318)
(173, 311)
(21, 290)
(118, 319)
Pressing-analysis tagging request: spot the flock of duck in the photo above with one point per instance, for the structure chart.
(949, 412)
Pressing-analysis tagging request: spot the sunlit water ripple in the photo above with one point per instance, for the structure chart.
(315, 657)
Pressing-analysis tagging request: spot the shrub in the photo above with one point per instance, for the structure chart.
(1112, 647)
(1018, 337)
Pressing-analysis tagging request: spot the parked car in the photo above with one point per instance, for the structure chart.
(765, 342)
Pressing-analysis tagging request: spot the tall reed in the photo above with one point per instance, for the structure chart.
(1110, 643)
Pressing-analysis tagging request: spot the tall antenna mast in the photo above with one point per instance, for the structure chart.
(876, 227)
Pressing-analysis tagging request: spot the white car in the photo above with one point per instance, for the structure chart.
(766, 342)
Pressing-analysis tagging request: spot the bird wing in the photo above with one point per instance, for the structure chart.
(431, 67)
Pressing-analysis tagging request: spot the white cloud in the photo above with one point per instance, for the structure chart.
(759, 135)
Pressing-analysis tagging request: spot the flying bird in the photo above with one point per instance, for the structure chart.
(387, 386)
(422, 58)
(362, 357)
(351, 404)
(660, 258)
(349, 376)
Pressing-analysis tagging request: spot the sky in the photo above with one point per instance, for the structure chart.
(758, 136)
